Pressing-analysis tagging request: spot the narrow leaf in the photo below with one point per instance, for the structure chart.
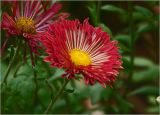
(106, 29)
(146, 12)
(69, 90)
(112, 8)
(145, 90)
(147, 75)
(123, 38)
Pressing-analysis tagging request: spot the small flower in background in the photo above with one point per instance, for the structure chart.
(30, 19)
(158, 99)
(82, 49)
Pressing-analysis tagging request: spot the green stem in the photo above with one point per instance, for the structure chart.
(132, 40)
(131, 32)
(98, 12)
(36, 88)
(10, 65)
(17, 69)
(46, 67)
(51, 88)
(56, 97)
(68, 104)
(36, 82)
(95, 12)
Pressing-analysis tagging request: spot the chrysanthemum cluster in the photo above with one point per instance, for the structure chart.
(78, 48)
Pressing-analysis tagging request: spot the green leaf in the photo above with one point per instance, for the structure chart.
(106, 29)
(97, 96)
(123, 38)
(124, 48)
(142, 62)
(58, 73)
(147, 75)
(44, 96)
(25, 70)
(123, 104)
(137, 16)
(112, 8)
(106, 94)
(69, 90)
(93, 12)
(144, 11)
(145, 27)
(153, 109)
(150, 73)
(126, 64)
(27, 88)
(145, 90)
(142, 28)
(22, 84)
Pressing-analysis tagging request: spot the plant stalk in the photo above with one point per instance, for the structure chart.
(98, 13)
(36, 82)
(132, 40)
(56, 97)
(10, 65)
(131, 33)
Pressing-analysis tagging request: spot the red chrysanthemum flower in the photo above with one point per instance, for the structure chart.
(82, 49)
(30, 19)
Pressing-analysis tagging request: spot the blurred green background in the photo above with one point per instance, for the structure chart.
(134, 24)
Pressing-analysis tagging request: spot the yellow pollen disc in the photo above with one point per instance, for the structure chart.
(25, 25)
(80, 57)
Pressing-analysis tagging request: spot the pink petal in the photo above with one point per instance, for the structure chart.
(48, 14)
(16, 12)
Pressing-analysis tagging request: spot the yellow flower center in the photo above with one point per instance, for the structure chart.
(25, 25)
(80, 57)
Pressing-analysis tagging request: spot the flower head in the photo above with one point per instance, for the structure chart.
(82, 49)
(30, 19)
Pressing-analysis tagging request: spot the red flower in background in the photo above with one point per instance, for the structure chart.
(82, 49)
(30, 19)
